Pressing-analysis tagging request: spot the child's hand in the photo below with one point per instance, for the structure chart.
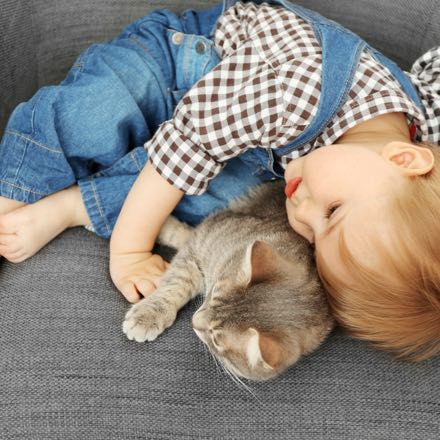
(136, 274)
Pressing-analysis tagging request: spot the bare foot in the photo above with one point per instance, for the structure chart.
(25, 230)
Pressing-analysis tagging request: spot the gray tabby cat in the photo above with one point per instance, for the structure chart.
(264, 306)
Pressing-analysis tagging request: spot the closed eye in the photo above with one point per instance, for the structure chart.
(331, 210)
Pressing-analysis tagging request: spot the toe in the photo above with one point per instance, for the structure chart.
(14, 257)
(8, 223)
(9, 244)
(9, 249)
(7, 239)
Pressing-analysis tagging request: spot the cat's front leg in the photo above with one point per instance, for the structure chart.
(148, 318)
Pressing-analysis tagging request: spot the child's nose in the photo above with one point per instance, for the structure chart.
(305, 214)
(302, 210)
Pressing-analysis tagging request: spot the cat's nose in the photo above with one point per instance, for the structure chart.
(200, 320)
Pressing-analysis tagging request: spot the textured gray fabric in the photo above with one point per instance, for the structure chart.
(66, 369)
(18, 79)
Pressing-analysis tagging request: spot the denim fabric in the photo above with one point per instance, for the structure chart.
(91, 128)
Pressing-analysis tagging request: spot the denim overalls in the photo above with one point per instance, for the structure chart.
(91, 128)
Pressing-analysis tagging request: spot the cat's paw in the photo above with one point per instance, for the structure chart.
(147, 319)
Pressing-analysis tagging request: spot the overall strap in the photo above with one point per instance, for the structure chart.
(341, 52)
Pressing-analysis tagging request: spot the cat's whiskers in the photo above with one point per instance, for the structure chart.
(216, 361)
(220, 368)
(238, 381)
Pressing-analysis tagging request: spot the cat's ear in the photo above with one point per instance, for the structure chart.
(262, 262)
(263, 348)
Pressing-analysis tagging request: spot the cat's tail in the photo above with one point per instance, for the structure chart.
(174, 233)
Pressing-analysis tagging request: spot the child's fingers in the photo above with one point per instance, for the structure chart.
(146, 287)
(130, 293)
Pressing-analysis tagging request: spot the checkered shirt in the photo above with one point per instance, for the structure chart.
(264, 93)
(425, 75)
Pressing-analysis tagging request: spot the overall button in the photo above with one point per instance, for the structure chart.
(177, 38)
(200, 47)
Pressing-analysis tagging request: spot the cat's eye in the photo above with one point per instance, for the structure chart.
(331, 210)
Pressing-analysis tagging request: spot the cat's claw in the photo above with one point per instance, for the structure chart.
(146, 320)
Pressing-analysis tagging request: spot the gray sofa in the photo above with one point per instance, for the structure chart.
(66, 369)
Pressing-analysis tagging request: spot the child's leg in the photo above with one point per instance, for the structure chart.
(112, 100)
(67, 132)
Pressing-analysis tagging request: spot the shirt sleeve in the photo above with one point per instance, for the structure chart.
(425, 75)
(236, 106)
(239, 23)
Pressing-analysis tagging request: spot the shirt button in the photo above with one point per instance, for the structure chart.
(200, 47)
(177, 38)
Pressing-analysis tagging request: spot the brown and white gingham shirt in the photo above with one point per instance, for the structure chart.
(264, 93)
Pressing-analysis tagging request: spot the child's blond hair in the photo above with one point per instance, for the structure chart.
(396, 306)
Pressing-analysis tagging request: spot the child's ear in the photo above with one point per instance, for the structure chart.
(411, 159)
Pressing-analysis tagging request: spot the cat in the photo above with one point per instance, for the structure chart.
(264, 305)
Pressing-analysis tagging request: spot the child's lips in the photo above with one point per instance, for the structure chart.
(291, 186)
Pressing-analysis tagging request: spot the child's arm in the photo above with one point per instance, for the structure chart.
(207, 129)
(133, 267)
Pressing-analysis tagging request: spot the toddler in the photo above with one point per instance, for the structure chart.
(182, 113)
